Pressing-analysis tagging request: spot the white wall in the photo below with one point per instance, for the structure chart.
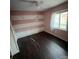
(13, 46)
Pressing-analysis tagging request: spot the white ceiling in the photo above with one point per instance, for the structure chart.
(26, 6)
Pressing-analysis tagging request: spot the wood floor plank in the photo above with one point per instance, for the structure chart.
(42, 46)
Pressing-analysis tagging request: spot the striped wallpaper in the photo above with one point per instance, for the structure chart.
(26, 23)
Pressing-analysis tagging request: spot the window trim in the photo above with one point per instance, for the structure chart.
(59, 12)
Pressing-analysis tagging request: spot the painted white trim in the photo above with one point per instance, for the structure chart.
(13, 43)
(19, 26)
(26, 17)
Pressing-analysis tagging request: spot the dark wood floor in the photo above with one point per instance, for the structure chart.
(42, 46)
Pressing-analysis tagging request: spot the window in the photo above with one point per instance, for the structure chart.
(59, 21)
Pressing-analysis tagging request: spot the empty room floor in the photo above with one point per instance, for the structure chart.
(42, 46)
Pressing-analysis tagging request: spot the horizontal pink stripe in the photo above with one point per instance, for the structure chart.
(29, 28)
(16, 22)
(24, 13)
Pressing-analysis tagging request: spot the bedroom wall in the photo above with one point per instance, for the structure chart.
(47, 18)
(26, 23)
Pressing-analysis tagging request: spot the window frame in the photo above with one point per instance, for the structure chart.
(59, 12)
